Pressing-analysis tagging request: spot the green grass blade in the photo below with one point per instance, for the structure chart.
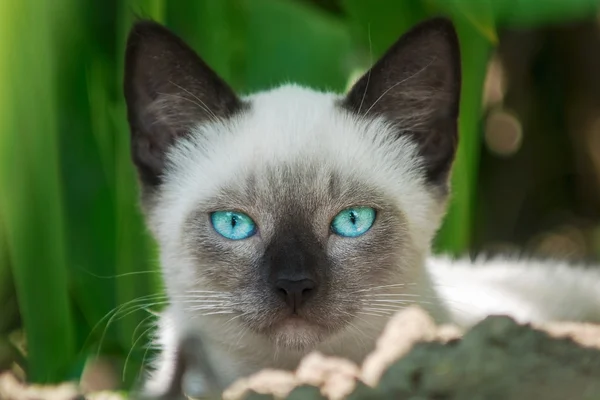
(377, 27)
(87, 168)
(455, 234)
(31, 203)
(6, 280)
(533, 12)
(258, 44)
(288, 41)
(135, 250)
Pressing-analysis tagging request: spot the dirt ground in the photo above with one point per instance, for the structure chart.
(414, 359)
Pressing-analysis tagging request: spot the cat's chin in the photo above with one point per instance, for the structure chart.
(296, 333)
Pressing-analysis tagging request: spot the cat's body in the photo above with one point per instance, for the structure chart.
(528, 290)
(293, 220)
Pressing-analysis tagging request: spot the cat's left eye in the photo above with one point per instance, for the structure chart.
(353, 222)
(232, 224)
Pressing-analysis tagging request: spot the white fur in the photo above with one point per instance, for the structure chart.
(528, 290)
(293, 123)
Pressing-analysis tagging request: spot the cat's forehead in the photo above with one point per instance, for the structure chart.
(289, 100)
(290, 140)
(294, 125)
(298, 186)
(291, 121)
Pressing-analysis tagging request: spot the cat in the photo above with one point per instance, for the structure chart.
(293, 220)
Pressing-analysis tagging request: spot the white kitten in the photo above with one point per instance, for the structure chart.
(293, 220)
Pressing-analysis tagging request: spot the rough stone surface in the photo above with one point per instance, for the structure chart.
(497, 359)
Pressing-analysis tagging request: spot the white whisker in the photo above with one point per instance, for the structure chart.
(362, 100)
(131, 349)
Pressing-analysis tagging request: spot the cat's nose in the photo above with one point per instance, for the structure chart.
(295, 292)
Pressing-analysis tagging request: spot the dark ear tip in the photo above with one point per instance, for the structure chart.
(441, 22)
(144, 28)
(442, 25)
(142, 25)
(140, 35)
(138, 31)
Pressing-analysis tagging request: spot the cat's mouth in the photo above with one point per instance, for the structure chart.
(296, 332)
(299, 330)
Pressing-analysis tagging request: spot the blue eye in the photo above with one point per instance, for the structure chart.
(353, 222)
(233, 225)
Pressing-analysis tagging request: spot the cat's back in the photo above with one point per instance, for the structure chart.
(529, 290)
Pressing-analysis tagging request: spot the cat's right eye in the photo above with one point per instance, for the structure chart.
(353, 222)
(233, 225)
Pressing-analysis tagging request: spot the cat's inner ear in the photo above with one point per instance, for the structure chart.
(416, 86)
(168, 90)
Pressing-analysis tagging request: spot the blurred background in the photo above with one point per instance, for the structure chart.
(78, 273)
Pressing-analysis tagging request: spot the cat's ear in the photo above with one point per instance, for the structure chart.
(168, 90)
(416, 85)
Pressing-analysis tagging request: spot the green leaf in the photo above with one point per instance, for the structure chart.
(288, 41)
(377, 27)
(32, 207)
(479, 14)
(532, 13)
(455, 234)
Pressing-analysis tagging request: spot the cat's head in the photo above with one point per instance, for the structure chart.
(287, 211)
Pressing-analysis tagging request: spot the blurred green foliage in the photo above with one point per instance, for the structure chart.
(73, 247)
